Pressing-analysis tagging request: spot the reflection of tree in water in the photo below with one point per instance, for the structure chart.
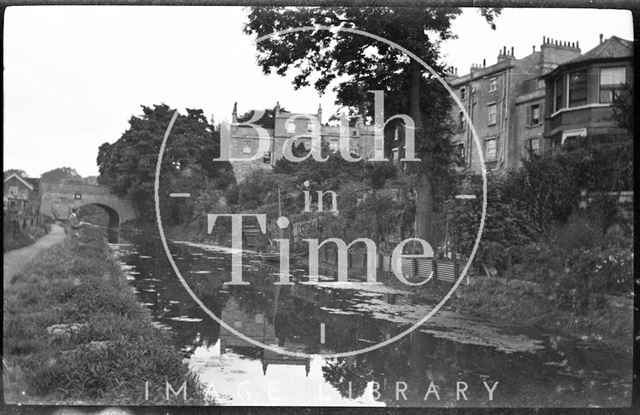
(340, 371)
(388, 362)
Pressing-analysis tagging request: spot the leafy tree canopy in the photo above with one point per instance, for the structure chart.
(128, 165)
(362, 64)
(60, 174)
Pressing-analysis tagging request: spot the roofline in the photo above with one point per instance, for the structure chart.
(29, 185)
(488, 71)
(571, 65)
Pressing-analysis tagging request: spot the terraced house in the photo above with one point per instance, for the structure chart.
(517, 106)
(535, 103)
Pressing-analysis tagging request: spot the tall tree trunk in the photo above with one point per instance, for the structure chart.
(424, 188)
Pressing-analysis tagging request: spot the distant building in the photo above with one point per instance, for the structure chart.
(21, 200)
(244, 140)
(505, 102)
(19, 193)
(580, 92)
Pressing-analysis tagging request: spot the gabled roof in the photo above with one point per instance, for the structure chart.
(26, 183)
(613, 48)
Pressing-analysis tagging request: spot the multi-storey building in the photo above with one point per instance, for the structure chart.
(244, 139)
(580, 92)
(505, 102)
(516, 106)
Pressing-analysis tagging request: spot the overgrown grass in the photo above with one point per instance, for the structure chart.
(523, 305)
(114, 349)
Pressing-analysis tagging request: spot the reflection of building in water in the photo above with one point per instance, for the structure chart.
(272, 358)
(256, 327)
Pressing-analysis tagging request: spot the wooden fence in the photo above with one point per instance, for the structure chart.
(414, 269)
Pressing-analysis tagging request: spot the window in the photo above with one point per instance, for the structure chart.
(534, 145)
(557, 93)
(460, 150)
(266, 159)
(490, 149)
(246, 149)
(540, 83)
(461, 124)
(13, 190)
(291, 126)
(611, 82)
(577, 88)
(12, 204)
(309, 126)
(534, 114)
(493, 84)
(463, 93)
(491, 112)
(573, 135)
(333, 146)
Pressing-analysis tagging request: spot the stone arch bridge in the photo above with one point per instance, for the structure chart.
(57, 200)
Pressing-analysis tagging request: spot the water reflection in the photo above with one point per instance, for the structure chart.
(425, 368)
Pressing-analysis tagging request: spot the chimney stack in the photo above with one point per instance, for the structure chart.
(601, 36)
(484, 63)
(234, 114)
(511, 50)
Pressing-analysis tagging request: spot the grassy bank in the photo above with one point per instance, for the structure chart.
(516, 303)
(74, 333)
(520, 303)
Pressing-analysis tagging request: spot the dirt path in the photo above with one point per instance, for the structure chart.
(13, 261)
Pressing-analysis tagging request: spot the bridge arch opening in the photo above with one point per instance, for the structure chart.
(103, 216)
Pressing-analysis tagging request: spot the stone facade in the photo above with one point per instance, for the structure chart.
(57, 200)
(580, 92)
(506, 104)
(510, 103)
(244, 140)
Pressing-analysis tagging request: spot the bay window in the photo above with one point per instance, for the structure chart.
(611, 82)
(577, 88)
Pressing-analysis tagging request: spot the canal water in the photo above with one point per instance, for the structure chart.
(452, 360)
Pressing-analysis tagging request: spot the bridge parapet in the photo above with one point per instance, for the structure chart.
(58, 198)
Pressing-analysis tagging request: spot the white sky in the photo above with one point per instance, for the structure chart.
(74, 75)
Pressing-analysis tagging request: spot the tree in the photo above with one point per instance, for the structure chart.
(508, 221)
(128, 166)
(19, 172)
(60, 174)
(623, 108)
(368, 65)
